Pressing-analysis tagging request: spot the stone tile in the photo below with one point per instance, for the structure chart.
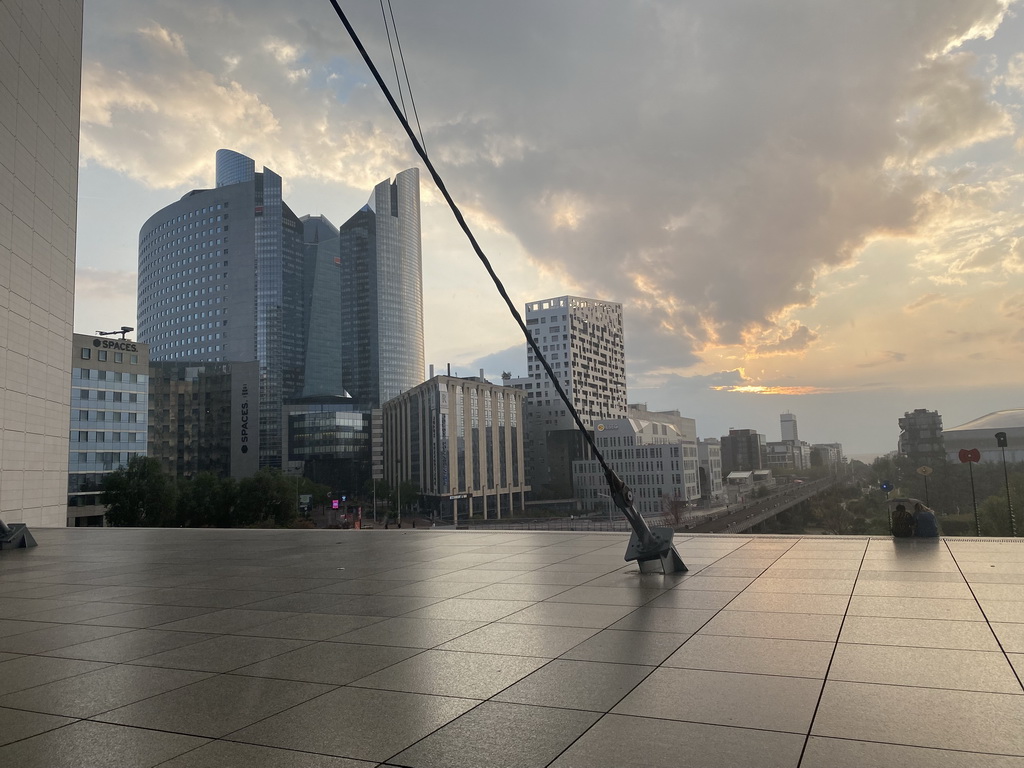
(452, 673)
(470, 610)
(97, 745)
(569, 615)
(216, 706)
(227, 621)
(431, 589)
(777, 602)
(1011, 637)
(693, 598)
(755, 655)
(715, 583)
(550, 577)
(311, 626)
(926, 667)
(915, 608)
(919, 633)
(1009, 592)
(148, 616)
(527, 592)
(12, 627)
(606, 596)
(493, 734)
(18, 725)
(922, 717)
(330, 663)
(79, 613)
(900, 588)
(617, 741)
(627, 647)
(129, 646)
(520, 640)
(53, 638)
(587, 685)
(222, 654)
(28, 671)
(681, 621)
(800, 586)
(783, 626)
(765, 702)
(376, 724)
(227, 754)
(844, 753)
(92, 693)
(1003, 610)
(410, 633)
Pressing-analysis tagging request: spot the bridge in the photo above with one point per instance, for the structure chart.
(757, 511)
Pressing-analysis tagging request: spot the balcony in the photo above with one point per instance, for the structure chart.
(431, 649)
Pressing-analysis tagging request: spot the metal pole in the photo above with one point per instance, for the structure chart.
(974, 499)
(1009, 503)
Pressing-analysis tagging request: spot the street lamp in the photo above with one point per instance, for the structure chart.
(1001, 442)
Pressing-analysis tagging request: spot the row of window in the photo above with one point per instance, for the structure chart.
(101, 355)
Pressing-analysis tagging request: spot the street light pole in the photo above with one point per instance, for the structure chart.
(1001, 442)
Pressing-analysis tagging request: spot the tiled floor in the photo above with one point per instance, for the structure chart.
(456, 649)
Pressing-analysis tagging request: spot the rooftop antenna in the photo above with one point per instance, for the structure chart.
(124, 329)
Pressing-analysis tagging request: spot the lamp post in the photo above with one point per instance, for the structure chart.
(1001, 442)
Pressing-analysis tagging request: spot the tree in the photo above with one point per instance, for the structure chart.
(139, 494)
(267, 498)
(207, 501)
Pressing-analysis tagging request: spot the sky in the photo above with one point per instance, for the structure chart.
(810, 207)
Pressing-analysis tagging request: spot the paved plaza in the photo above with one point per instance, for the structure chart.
(457, 649)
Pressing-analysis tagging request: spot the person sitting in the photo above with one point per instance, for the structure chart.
(925, 525)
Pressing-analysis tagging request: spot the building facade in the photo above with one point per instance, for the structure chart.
(921, 437)
(382, 293)
(203, 418)
(582, 339)
(787, 423)
(40, 96)
(461, 441)
(657, 460)
(981, 434)
(709, 456)
(331, 442)
(221, 279)
(109, 418)
(743, 450)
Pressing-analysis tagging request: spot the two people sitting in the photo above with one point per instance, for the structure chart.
(920, 523)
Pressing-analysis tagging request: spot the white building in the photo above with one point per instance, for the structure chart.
(657, 461)
(981, 434)
(709, 456)
(582, 339)
(787, 421)
(40, 96)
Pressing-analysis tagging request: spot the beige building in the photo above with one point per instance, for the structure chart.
(461, 441)
(40, 92)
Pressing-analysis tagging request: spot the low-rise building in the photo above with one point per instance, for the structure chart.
(108, 417)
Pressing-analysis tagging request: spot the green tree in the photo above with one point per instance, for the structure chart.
(267, 498)
(139, 494)
(207, 501)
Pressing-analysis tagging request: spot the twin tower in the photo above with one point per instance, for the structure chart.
(231, 274)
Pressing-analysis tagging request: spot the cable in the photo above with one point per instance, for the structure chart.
(469, 234)
(408, 85)
(394, 61)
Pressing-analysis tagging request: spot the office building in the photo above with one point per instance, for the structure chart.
(582, 339)
(382, 293)
(221, 280)
(788, 455)
(460, 441)
(921, 437)
(203, 418)
(709, 457)
(743, 450)
(656, 459)
(331, 442)
(40, 95)
(109, 410)
(787, 422)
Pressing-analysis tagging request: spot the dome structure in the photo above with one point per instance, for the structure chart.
(981, 434)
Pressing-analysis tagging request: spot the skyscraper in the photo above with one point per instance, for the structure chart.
(582, 339)
(787, 423)
(40, 95)
(382, 293)
(221, 279)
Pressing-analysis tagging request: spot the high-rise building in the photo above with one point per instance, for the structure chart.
(921, 437)
(40, 95)
(221, 279)
(322, 292)
(709, 455)
(787, 421)
(109, 409)
(382, 293)
(582, 339)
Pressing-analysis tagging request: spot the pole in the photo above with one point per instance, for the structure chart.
(927, 503)
(1009, 503)
(974, 499)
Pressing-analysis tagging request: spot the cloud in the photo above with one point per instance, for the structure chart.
(796, 338)
(886, 358)
(924, 301)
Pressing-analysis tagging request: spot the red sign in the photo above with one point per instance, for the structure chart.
(969, 454)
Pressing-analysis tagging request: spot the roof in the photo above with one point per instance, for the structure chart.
(178, 647)
(1009, 419)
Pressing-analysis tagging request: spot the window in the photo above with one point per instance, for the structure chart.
(101, 355)
(86, 354)
(118, 357)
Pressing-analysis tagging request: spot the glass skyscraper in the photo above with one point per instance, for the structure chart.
(382, 293)
(221, 279)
